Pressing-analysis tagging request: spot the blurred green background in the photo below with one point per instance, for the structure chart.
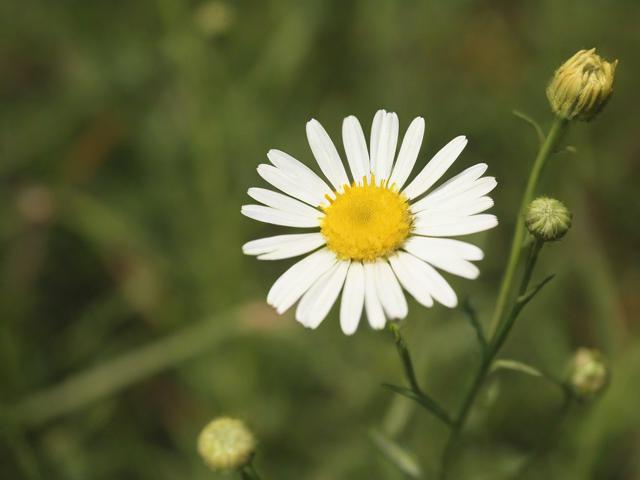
(130, 132)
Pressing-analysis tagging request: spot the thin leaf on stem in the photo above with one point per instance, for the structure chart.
(516, 366)
(532, 122)
(472, 316)
(528, 296)
(403, 352)
(423, 399)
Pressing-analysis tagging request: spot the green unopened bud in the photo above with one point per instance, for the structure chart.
(588, 373)
(547, 219)
(226, 444)
(582, 86)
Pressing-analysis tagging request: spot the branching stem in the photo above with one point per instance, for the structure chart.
(507, 285)
(503, 316)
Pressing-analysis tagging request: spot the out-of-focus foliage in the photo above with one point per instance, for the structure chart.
(130, 132)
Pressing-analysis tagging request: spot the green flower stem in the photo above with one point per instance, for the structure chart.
(495, 344)
(506, 288)
(534, 250)
(505, 327)
(249, 472)
(502, 321)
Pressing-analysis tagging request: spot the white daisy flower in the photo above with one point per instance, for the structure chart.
(375, 235)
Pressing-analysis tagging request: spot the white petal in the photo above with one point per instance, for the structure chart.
(459, 207)
(444, 258)
(283, 246)
(294, 249)
(292, 284)
(438, 287)
(461, 182)
(436, 167)
(291, 186)
(374, 139)
(457, 190)
(282, 202)
(372, 304)
(446, 246)
(318, 300)
(411, 283)
(352, 299)
(384, 139)
(389, 291)
(408, 153)
(454, 226)
(355, 146)
(278, 217)
(298, 171)
(326, 155)
(474, 190)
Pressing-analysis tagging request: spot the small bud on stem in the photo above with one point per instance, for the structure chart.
(226, 444)
(547, 219)
(588, 373)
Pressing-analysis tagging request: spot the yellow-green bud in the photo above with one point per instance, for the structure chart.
(226, 444)
(547, 219)
(214, 18)
(588, 373)
(582, 86)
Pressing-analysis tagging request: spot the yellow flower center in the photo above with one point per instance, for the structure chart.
(366, 222)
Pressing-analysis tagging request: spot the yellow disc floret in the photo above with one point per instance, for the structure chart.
(366, 222)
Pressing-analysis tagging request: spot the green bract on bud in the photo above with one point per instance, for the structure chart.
(226, 444)
(547, 219)
(588, 373)
(582, 86)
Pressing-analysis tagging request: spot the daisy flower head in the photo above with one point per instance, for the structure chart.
(374, 233)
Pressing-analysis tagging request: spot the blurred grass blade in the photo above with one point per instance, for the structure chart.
(114, 375)
(423, 399)
(398, 456)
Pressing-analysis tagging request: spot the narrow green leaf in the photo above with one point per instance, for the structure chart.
(472, 316)
(532, 122)
(423, 399)
(526, 298)
(515, 366)
(398, 456)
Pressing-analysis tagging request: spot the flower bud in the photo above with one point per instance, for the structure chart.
(547, 219)
(214, 18)
(581, 86)
(226, 444)
(588, 373)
